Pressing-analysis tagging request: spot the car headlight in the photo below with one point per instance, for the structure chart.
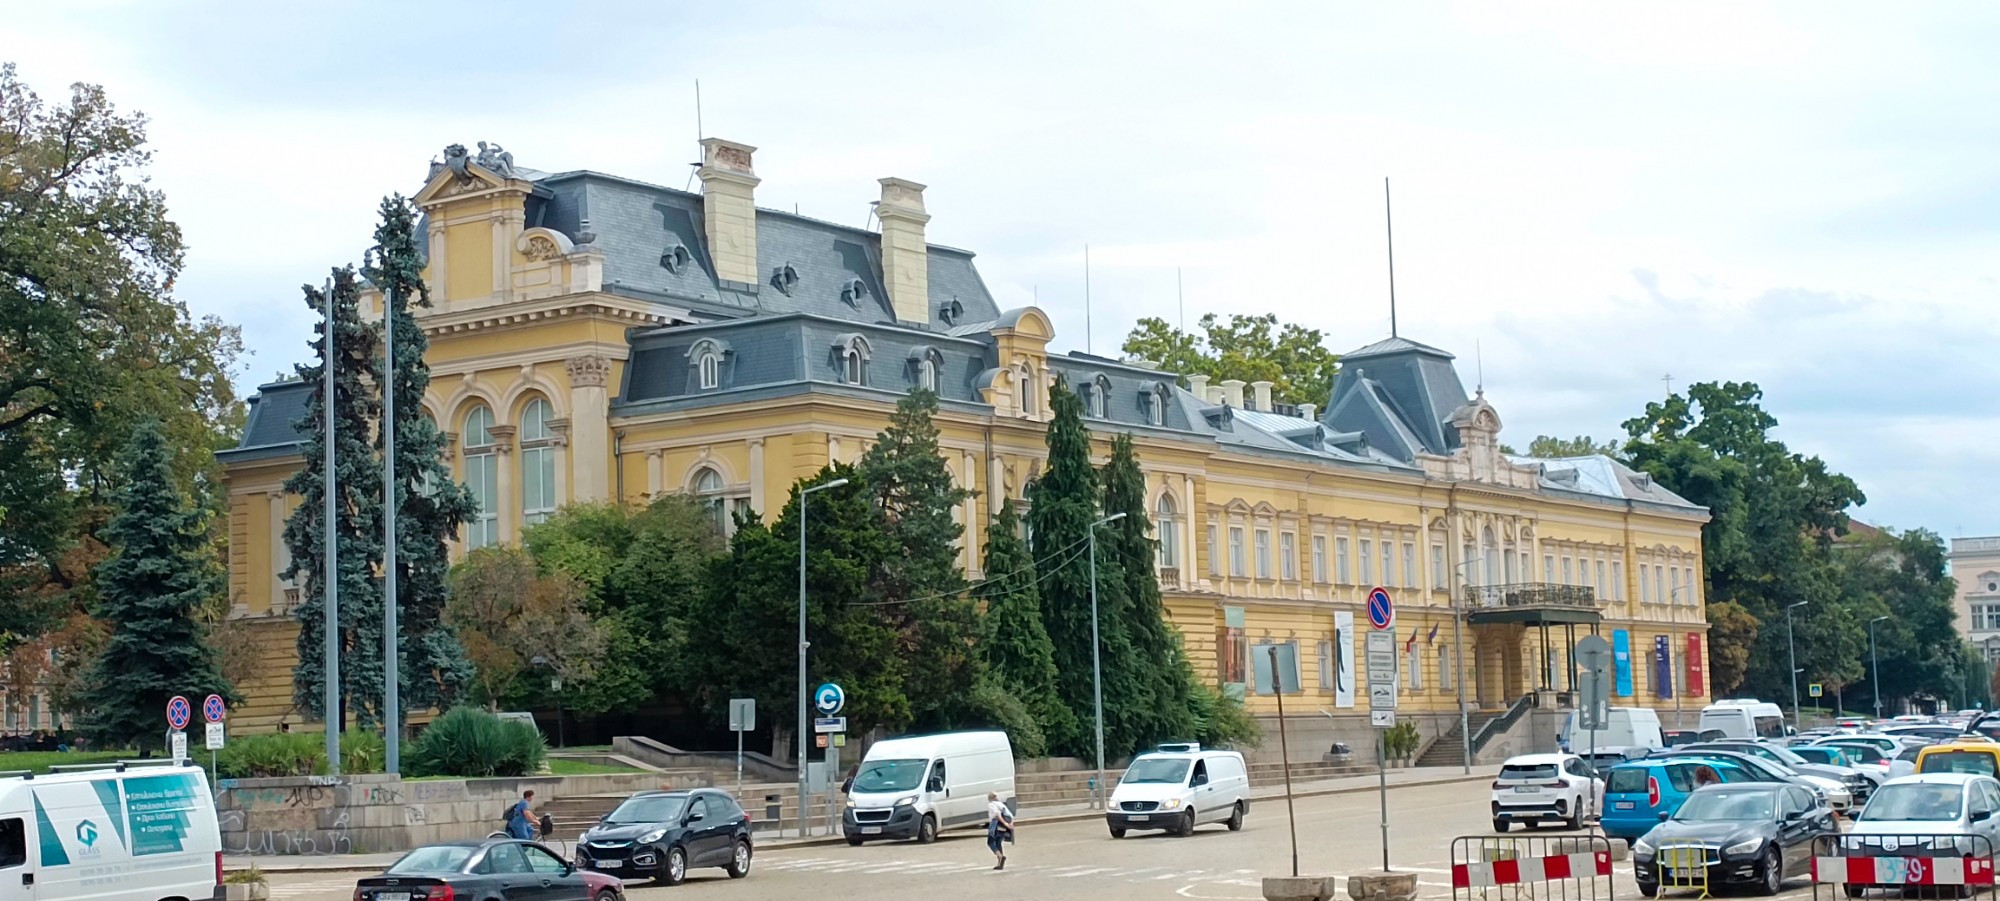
(1641, 846)
(1171, 804)
(906, 800)
(1747, 846)
(652, 836)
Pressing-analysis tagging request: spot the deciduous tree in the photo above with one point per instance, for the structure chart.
(1293, 358)
(508, 614)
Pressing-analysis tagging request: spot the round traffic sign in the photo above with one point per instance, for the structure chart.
(179, 711)
(212, 708)
(1381, 610)
(829, 699)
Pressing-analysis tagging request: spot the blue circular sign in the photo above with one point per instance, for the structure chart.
(829, 699)
(179, 711)
(1381, 611)
(212, 708)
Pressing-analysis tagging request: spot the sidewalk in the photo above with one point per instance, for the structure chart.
(788, 838)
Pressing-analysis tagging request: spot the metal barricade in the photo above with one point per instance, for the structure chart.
(1520, 868)
(1909, 865)
(1684, 866)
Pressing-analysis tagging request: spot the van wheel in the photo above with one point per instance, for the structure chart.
(1186, 826)
(1117, 832)
(927, 830)
(1236, 818)
(854, 841)
(1855, 889)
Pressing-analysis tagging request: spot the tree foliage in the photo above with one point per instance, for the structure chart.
(513, 619)
(1165, 670)
(1551, 447)
(1014, 641)
(159, 576)
(1293, 358)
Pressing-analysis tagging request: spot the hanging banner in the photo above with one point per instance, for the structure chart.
(1343, 650)
(1663, 666)
(1696, 687)
(1621, 661)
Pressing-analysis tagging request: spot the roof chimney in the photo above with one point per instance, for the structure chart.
(1306, 411)
(1232, 392)
(905, 255)
(1262, 392)
(1198, 386)
(728, 208)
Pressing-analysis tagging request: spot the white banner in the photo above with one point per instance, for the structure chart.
(1343, 649)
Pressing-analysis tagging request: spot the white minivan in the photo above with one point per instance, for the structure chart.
(1178, 787)
(913, 786)
(1624, 727)
(1744, 718)
(154, 827)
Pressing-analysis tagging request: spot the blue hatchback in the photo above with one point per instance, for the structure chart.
(1637, 793)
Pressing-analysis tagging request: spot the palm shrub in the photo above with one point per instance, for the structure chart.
(297, 754)
(468, 741)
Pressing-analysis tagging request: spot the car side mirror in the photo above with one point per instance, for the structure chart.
(1201, 779)
(694, 817)
(937, 785)
(604, 818)
(1980, 816)
(1664, 816)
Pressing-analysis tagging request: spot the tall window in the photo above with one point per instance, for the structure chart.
(1288, 555)
(1438, 574)
(1319, 559)
(1026, 377)
(709, 366)
(1263, 553)
(538, 462)
(1603, 587)
(1549, 568)
(1674, 585)
(482, 477)
(1367, 562)
(707, 488)
(1236, 566)
(1409, 565)
(1512, 573)
(1568, 579)
(1340, 560)
(1489, 556)
(1617, 580)
(1660, 586)
(1388, 563)
(927, 373)
(1214, 553)
(1447, 674)
(1168, 528)
(1645, 585)
(851, 366)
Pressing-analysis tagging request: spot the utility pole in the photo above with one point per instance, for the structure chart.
(1096, 659)
(1792, 651)
(392, 694)
(805, 493)
(330, 575)
(1875, 667)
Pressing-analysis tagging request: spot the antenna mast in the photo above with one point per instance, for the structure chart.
(1389, 223)
(1089, 343)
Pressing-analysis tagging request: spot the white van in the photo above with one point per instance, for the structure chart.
(1177, 787)
(115, 833)
(1624, 727)
(1744, 718)
(913, 786)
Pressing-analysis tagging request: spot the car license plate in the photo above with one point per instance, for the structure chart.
(1139, 817)
(392, 896)
(871, 830)
(1683, 873)
(1525, 789)
(610, 864)
(1623, 805)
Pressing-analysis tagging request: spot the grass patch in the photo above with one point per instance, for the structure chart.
(40, 761)
(561, 767)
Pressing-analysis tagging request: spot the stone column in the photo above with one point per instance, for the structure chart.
(507, 506)
(1188, 532)
(560, 429)
(590, 417)
(968, 467)
(655, 477)
(757, 474)
(278, 556)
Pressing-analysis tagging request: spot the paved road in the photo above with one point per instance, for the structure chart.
(1337, 834)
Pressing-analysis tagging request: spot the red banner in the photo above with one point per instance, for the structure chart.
(1695, 668)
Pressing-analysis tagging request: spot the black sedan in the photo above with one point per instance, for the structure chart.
(665, 834)
(1745, 833)
(496, 869)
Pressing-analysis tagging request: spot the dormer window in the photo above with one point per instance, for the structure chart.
(853, 291)
(783, 278)
(851, 354)
(676, 257)
(951, 311)
(707, 357)
(1097, 392)
(925, 365)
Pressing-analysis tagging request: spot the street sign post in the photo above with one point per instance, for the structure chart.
(215, 741)
(179, 712)
(180, 746)
(1815, 690)
(742, 718)
(830, 724)
(1381, 610)
(1381, 660)
(1595, 655)
(829, 699)
(214, 710)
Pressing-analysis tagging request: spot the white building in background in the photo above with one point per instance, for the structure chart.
(1975, 565)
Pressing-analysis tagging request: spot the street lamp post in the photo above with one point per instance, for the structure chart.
(1458, 662)
(803, 494)
(1875, 666)
(1096, 663)
(1792, 652)
(555, 688)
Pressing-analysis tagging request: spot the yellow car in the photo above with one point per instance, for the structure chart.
(1972, 754)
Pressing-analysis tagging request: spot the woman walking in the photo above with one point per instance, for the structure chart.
(999, 828)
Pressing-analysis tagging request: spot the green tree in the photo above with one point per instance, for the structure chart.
(1014, 641)
(512, 618)
(1293, 358)
(1732, 633)
(160, 574)
(357, 499)
(1064, 510)
(1166, 671)
(92, 344)
(911, 485)
(1551, 447)
(430, 507)
(1903, 576)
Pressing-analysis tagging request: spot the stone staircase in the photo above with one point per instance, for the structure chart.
(1449, 748)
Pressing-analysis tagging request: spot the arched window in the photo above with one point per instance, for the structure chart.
(482, 477)
(851, 354)
(538, 462)
(1490, 556)
(707, 487)
(710, 368)
(1024, 378)
(1167, 525)
(925, 366)
(1097, 397)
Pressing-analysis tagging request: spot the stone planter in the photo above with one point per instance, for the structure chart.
(1383, 887)
(1299, 888)
(246, 891)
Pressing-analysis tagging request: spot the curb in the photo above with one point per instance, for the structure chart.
(820, 841)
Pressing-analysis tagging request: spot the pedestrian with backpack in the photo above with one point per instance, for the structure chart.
(520, 820)
(999, 828)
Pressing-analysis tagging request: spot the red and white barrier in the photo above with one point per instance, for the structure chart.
(1903, 870)
(1581, 865)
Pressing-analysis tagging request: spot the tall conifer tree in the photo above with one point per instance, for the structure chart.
(162, 571)
(357, 497)
(1014, 641)
(431, 506)
(1165, 665)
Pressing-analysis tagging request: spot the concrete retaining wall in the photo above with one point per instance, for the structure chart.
(376, 813)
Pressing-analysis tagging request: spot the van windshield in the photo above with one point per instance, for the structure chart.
(889, 775)
(1156, 771)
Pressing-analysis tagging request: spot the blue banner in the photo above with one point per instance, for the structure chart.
(1663, 667)
(1621, 660)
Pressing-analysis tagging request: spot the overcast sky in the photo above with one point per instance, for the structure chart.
(1594, 196)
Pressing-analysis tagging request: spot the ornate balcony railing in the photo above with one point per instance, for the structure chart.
(1529, 595)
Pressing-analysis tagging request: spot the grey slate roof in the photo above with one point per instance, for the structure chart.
(1601, 476)
(1400, 394)
(275, 411)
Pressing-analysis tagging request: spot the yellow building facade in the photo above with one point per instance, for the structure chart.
(598, 338)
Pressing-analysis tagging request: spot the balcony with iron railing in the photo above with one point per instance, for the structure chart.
(1531, 602)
